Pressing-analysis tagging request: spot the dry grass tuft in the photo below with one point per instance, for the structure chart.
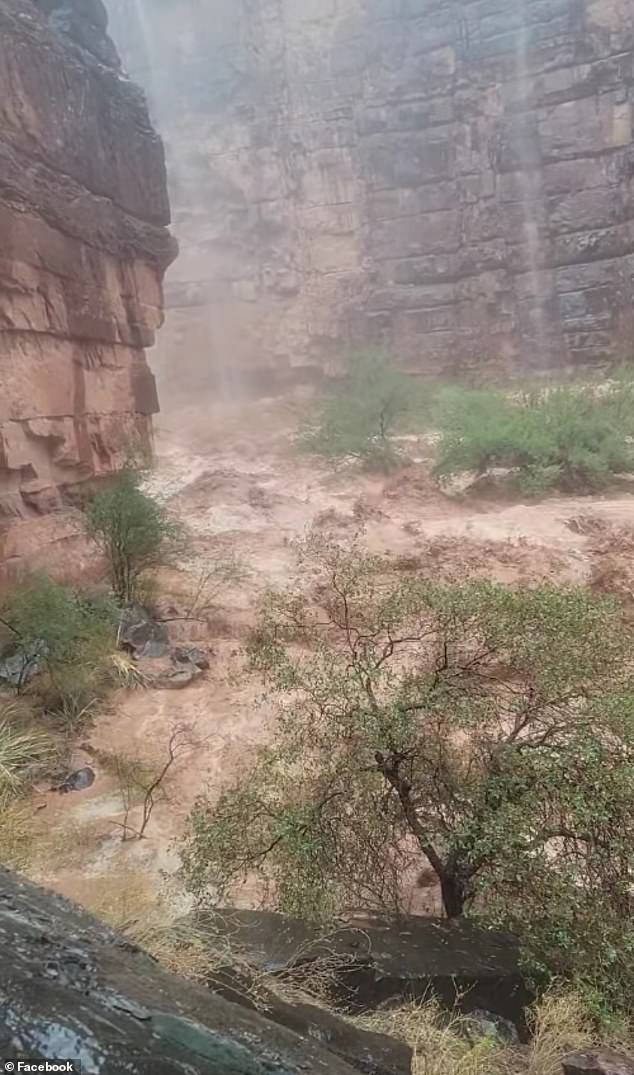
(559, 1024)
(442, 1043)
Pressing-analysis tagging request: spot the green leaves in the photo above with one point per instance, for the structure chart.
(485, 730)
(359, 418)
(134, 531)
(573, 437)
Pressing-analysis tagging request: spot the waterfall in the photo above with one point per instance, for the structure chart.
(530, 196)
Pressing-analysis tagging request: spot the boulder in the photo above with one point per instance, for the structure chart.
(376, 961)
(72, 988)
(598, 1062)
(77, 781)
(142, 635)
(185, 655)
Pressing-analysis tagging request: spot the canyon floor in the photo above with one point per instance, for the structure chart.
(237, 481)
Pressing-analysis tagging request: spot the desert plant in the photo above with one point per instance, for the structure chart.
(64, 635)
(134, 530)
(483, 731)
(359, 416)
(574, 437)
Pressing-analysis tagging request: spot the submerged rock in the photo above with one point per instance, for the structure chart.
(139, 633)
(77, 781)
(70, 987)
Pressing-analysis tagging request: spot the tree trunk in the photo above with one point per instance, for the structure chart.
(453, 890)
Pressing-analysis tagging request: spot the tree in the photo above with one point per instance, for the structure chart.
(134, 531)
(358, 418)
(141, 783)
(485, 732)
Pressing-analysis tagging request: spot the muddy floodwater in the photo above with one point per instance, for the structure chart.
(245, 494)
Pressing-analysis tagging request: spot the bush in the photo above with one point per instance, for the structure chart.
(63, 635)
(359, 417)
(572, 437)
(483, 731)
(134, 531)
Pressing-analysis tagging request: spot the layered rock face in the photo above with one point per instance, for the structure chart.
(83, 248)
(451, 178)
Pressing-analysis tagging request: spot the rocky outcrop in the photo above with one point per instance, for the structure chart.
(83, 249)
(376, 962)
(71, 988)
(450, 178)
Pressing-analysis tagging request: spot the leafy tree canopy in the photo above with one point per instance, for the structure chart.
(483, 731)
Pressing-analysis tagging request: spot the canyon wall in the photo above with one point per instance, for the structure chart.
(83, 249)
(452, 179)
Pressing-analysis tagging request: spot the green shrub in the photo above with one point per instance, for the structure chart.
(134, 531)
(62, 634)
(359, 416)
(571, 437)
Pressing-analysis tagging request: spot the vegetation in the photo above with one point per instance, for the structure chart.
(445, 1045)
(573, 437)
(359, 417)
(482, 731)
(23, 749)
(134, 531)
(63, 634)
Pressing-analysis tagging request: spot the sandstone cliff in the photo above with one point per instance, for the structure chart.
(83, 248)
(451, 177)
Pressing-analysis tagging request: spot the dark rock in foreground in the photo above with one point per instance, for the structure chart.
(72, 988)
(383, 962)
(368, 1052)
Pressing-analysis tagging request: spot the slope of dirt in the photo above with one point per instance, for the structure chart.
(245, 494)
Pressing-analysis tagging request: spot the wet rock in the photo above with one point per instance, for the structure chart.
(598, 1062)
(190, 655)
(370, 1053)
(19, 664)
(70, 986)
(481, 1024)
(77, 781)
(142, 635)
(176, 678)
(381, 962)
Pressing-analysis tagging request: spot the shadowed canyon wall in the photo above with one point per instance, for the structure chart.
(451, 178)
(83, 248)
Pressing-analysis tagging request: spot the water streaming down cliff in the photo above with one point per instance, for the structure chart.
(452, 180)
(537, 297)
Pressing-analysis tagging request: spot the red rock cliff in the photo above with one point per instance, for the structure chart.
(451, 178)
(83, 249)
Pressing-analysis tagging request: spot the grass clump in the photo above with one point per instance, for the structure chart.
(24, 749)
(571, 437)
(135, 532)
(360, 415)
